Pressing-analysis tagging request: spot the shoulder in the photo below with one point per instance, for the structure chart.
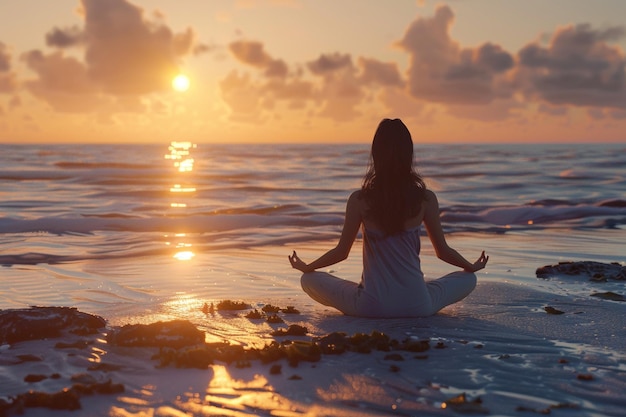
(356, 201)
(430, 200)
(355, 196)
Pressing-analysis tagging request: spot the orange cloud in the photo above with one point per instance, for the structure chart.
(62, 81)
(118, 56)
(125, 54)
(374, 71)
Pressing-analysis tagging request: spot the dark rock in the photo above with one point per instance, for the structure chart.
(34, 378)
(302, 351)
(36, 323)
(334, 343)
(597, 271)
(255, 314)
(394, 368)
(232, 305)
(394, 357)
(175, 334)
(28, 358)
(268, 308)
(461, 404)
(62, 400)
(274, 318)
(552, 310)
(413, 345)
(609, 295)
(270, 353)
(292, 330)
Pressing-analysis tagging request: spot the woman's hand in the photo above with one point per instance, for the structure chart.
(479, 264)
(298, 263)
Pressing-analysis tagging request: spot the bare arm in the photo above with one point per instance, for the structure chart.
(342, 250)
(438, 239)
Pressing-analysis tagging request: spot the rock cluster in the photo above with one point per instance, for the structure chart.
(18, 325)
(597, 271)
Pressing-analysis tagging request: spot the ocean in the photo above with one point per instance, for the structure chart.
(120, 229)
(146, 233)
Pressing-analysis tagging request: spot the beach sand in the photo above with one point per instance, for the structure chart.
(499, 346)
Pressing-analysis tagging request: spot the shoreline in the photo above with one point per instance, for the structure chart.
(499, 334)
(499, 345)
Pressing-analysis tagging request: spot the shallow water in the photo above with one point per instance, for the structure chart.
(116, 228)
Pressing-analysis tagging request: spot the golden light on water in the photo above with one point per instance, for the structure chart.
(185, 165)
(179, 154)
(181, 83)
(185, 255)
(177, 188)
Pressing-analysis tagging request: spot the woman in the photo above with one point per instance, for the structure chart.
(391, 205)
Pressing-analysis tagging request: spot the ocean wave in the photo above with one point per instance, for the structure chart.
(99, 165)
(546, 213)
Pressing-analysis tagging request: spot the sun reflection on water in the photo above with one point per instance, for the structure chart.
(179, 152)
(185, 255)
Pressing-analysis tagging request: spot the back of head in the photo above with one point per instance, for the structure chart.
(392, 149)
(392, 189)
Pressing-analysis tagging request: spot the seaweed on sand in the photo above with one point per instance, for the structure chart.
(232, 305)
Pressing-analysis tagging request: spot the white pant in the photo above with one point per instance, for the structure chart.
(351, 299)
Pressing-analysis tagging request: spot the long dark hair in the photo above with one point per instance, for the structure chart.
(392, 189)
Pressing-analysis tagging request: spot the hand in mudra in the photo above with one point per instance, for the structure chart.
(480, 263)
(297, 263)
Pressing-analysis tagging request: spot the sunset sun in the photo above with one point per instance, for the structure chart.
(180, 83)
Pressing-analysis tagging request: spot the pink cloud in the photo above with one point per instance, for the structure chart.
(441, 71)
(329, 63)
(8, 80)
(253, 53)
(579, 66)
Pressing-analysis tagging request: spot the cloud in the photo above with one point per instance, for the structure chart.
(380, 73)
(579, 67)
(399, 104)
(334, 91)
(250, 97)
(243, 97)
(552, 110)
(441, 71)
(497, 110)
(8, 80)
(5, 58)
(330, 63)
(64, 38)
(253, 53)
(125, 55)
(61, 81)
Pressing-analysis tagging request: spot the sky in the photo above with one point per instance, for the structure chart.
(315, 71)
